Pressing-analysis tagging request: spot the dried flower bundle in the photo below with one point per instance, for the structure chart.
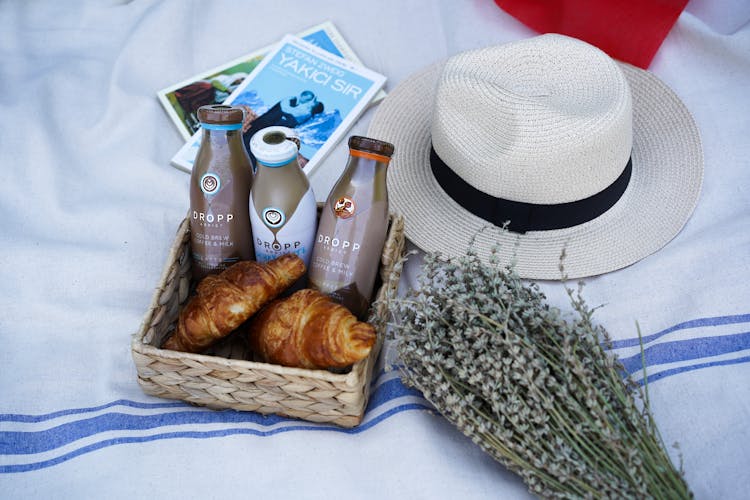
(533, 389)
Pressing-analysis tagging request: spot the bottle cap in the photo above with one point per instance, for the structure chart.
(369, 145)
(220, 114)
(274, 146)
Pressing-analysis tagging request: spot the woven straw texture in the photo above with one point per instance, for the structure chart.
(553, 125)
(224, 378)
(662, 193)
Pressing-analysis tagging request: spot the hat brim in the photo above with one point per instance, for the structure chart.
(662, 193)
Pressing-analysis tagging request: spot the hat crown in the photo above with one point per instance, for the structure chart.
(545, 120)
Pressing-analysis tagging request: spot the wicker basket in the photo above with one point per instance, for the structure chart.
(224, 378)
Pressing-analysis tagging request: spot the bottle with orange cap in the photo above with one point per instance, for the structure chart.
(352, 228)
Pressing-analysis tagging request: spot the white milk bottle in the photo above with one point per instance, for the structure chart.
(283, 213)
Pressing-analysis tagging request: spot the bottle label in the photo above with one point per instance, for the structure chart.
(347, 251)
(210, 219)
(210, 183)
(344, 207)
(276, 233)
(273, 217)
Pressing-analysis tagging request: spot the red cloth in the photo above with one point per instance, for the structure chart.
(628, 30)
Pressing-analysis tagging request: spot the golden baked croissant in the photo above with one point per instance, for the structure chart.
(224, 301)
(309, 330)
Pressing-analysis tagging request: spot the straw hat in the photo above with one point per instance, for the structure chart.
(577, 151)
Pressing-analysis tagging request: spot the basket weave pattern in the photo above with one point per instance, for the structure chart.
(226, 379)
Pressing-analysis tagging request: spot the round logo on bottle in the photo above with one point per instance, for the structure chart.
(210, 183)
(273, 217)
(344, 207)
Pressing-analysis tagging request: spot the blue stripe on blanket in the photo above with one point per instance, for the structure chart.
(696, 351)
(30, 442)
(204, 435)
(689, 349)
(14, 417)
(683, 369)
(695, 323)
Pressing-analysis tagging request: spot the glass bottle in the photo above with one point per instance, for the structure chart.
(219, 190)
(352, 228)
(283, 212)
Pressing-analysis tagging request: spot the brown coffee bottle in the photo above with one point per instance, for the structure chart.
(352, 228)
(220, 185)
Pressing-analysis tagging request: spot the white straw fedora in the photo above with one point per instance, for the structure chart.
(578, 152)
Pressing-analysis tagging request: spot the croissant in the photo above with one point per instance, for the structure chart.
(224, 301)
(309, 330)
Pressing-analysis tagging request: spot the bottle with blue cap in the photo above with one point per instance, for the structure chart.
(283, 212)
(219, 191)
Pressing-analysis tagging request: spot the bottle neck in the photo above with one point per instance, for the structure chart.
(221, 134)
(281, 186)
(287, 170)
(363, 167)
(290, 163)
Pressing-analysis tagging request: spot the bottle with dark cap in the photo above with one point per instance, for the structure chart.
(352, 228)
(220, 183)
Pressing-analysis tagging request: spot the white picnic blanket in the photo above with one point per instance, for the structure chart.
(90, 204)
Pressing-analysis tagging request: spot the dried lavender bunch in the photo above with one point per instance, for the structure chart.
(533, 389)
